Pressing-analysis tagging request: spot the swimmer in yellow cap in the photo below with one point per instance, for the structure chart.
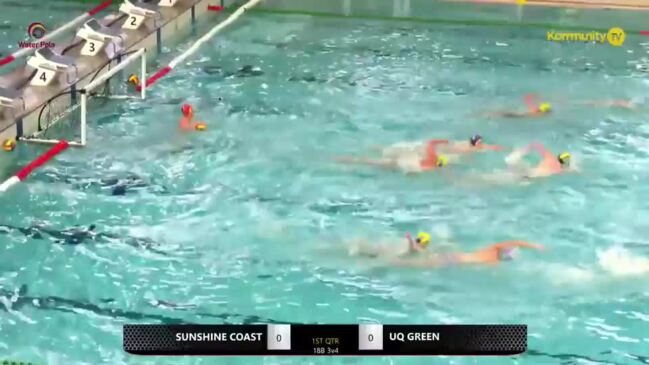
(535, 109)
(9, 145)
(491, 255)
(391, 249)
(550, 164)
(419, 244)
(410, 163)
(519, 171)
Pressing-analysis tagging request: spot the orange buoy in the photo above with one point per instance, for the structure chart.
(9, 145)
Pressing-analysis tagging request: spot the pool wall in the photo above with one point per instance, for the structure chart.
(435, 11)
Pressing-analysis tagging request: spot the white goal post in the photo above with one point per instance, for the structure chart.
(140, 53)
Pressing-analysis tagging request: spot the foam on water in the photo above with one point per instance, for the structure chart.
(619, 261)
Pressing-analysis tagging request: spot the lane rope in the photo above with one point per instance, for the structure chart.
(32, 166)
(191, 50)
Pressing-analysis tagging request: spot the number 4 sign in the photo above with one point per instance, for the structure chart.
(43, 77)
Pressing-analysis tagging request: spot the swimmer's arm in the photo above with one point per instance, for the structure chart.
(411, 243)
(493, 148)
(412, 247)
(513, 244)
(540, 149)
(430, 148)
(531, 105)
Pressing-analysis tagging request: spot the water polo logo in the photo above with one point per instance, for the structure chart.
(36, 30)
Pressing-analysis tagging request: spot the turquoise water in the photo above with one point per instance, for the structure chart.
(250, 221)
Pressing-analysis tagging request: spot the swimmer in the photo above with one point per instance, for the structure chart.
(520, 172)
(402, 248)
(550, 164)
(410, 163)
(491, 255)
(187, 121)
(473, 145)
(419, 244)
(535, 110)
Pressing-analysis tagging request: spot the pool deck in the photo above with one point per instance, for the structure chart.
(589, 4)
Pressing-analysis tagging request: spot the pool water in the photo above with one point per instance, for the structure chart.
(251, 220)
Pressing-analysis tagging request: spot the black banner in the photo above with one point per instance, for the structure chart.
(325, 340)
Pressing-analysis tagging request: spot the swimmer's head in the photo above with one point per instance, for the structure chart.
(545, 108)
(423, 239)
(187, 110)
(9, 145)
(476, 140)
(564, 158)
(133, 79)
(442, 161)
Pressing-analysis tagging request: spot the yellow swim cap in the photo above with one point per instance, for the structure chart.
(423, 238)
(9, 145)
(545, 107)
(564, 158)
(200, 126)
(442, 160)
(133, 79)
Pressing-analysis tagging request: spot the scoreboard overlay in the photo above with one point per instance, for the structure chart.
(325, 340)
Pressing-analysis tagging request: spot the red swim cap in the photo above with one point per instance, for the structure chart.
(187, 109)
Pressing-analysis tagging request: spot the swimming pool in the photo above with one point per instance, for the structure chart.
(249, 221)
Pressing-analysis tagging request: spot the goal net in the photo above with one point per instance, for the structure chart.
(100, 87)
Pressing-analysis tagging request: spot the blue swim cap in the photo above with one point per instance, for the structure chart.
(475, 140)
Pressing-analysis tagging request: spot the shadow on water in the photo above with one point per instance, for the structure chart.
(114, 185)
(81, 235)
(18, 300)
(575, 359)
(243, 72)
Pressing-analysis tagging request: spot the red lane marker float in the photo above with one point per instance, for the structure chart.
(644, 32)
(7, 60)
(40, 161)
(214, 8)
(100, 7)
(156, 76)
